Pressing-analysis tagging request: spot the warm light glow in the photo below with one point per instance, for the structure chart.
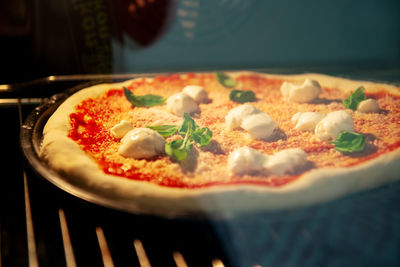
(132, 8)
(4, 87)
(141, 254)
(105, 251)
(141, 3)
(217, 263)
(179, 260)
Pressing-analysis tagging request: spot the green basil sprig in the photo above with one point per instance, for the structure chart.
(225, 79)
(164, 130)
(202, 136)
(242, 96)
(349, 142)
(143, 100)
(188, 125)
(192, 134)
(239, 96)
(355, 98)
(179, 149)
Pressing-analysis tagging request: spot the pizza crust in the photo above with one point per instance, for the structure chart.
(345, 85)
(318, 185)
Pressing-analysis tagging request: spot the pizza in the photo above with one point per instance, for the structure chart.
(226, 141)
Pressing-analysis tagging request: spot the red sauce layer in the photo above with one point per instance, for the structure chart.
(91, 130)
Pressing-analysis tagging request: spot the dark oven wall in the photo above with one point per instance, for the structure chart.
(40, 38)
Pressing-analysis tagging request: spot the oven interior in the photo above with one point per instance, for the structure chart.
(47, 48)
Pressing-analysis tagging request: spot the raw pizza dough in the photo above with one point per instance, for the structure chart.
(66, 157)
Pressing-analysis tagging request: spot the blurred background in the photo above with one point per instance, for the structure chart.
(45, 37)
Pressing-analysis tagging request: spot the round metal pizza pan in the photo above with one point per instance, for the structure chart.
(30, 140)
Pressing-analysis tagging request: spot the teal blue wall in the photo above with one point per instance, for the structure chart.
(234, 34)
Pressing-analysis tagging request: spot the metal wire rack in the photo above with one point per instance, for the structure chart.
(57, 229)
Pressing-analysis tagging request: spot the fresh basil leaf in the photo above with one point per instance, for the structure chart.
(188, 122)
(174, 150)
(349, 142)
(178, 149)
(164, 130)
(225, 80)
(144, 100)
(242, 96)
(355, 98)
(202, 136)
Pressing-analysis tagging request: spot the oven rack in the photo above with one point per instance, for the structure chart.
(46, 238)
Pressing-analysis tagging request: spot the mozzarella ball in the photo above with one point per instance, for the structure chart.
(286, 161)
(304, 93)
(259, 126)
(119, 130)
(306, 121)
(333, 124)
(368, 106)
(181, 103)
(196, 92)
(246, 160)
(236, 115)
(142, 143)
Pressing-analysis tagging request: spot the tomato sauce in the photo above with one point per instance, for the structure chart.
(89, 129)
